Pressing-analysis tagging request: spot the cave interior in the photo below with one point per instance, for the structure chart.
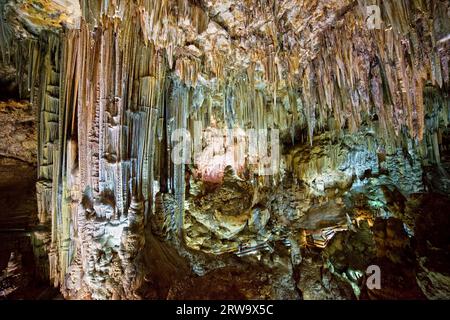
(219, 149)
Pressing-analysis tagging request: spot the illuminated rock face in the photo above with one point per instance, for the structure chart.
(362, 115)
(219, 152)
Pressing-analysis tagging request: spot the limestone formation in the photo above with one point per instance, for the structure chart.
(183, 145)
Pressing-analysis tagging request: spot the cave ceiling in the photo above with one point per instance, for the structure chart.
(317, 54)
